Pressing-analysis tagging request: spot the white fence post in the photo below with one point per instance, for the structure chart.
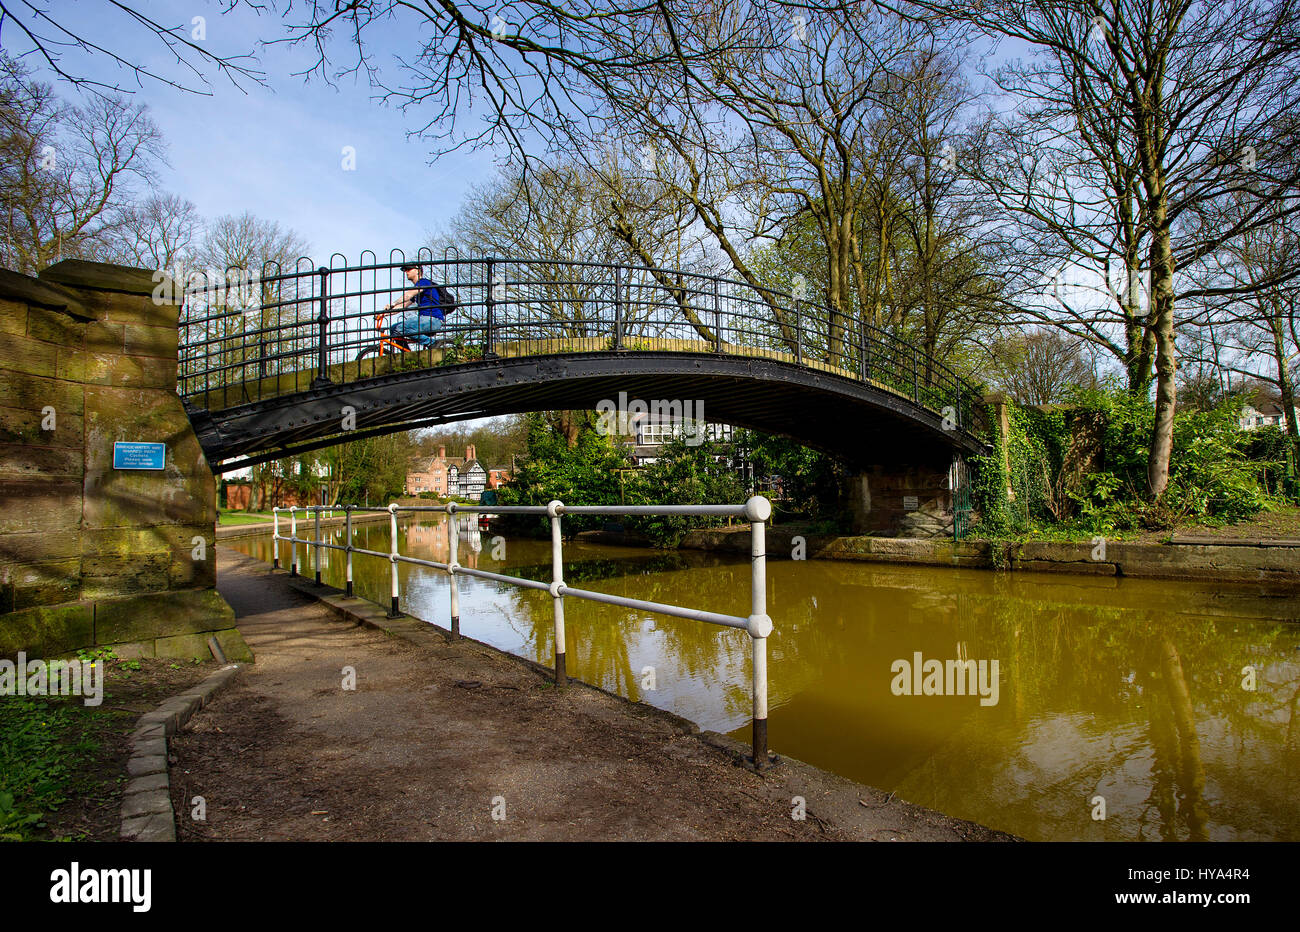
(317, 543)
(453, 542)
(347, 513)
(557, 584)
(758, 509)
(393, 611)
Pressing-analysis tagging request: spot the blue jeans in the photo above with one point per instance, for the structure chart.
(416, 328)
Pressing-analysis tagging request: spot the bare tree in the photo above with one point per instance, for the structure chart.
(1075, 231)
(1040, 366)
(1204, 92)
(242, 318)
(70, 174)
(944, 280)
(47, 35)
(247, 242)
(559, 215)
(1257, 335)
(159, 233)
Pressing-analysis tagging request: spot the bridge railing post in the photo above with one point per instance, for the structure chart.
(293, 540)
(323, 320)
(618, 307)
(489, 323)
(798, 333)
(717, 316)
(864, 367)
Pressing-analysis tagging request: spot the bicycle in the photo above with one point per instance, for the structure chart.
(389, 345)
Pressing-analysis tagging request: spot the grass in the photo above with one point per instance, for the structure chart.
(62, 763)
(41, 750)
(226, 516)
(1278, 521)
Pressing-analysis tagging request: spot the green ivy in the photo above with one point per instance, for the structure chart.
(1217, 472)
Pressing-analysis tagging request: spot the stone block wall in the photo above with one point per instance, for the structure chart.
(879, 500)
(89, 554)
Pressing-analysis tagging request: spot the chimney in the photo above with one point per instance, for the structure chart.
(469, 453)
(442, 453)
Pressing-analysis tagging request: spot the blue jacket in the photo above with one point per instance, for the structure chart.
(429, 300)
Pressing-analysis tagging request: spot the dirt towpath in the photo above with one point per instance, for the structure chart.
(446, 740)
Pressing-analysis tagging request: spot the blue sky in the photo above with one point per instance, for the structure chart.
(277, 150)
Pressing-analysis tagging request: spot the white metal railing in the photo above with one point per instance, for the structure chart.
(757, 510)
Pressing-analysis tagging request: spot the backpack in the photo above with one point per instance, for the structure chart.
(447, 299)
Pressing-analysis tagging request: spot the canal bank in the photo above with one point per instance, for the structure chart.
(439, 738)
(1184, 558)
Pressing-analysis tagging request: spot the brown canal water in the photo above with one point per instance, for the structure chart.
(1135, 692)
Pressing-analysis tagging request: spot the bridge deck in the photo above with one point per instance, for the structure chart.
(300, 380)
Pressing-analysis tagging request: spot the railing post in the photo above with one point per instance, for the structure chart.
(293, 540)
(393, 611)
(618, 307)
(557, 582)
(758, 509)
(798, 334)
(717, 316)
(323, 319)
(490, 321)
(347, 514)
(275, 538)
(863, 365)
(453, 564)
(916, 377)
(317, 543)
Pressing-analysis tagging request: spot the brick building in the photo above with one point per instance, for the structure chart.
(460, 476)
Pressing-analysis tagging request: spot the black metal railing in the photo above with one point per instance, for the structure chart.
(244, 338)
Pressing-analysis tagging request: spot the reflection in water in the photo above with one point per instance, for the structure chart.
(1131, 690)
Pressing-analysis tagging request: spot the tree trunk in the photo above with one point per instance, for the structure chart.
(1162, 331)
(1285, 388)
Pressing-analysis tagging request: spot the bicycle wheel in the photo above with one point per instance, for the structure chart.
(369, 351)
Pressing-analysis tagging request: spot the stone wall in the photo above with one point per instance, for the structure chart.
(1255, 562)
(89, 554)
(908, 500)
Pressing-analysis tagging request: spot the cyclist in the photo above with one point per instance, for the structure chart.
(425, 298)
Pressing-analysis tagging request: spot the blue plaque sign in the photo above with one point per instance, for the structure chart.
(128, 455)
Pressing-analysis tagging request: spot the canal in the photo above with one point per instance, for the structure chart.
(1123, 709)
